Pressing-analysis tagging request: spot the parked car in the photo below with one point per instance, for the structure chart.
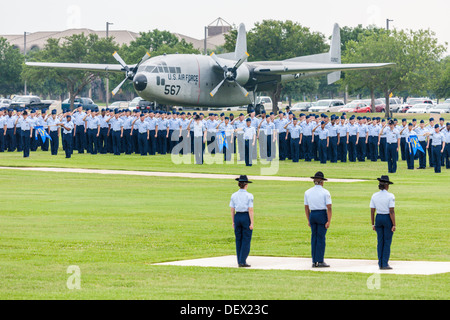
(441, 108)
(420, 108)
(119, 105)
(4, 103)
(134, 103)
(380, 106)
(412, 102)
(447, 101)
(394, 104)
(301, 106)
(85, 103)
(356, 107)
(327, 106)
(29, 102)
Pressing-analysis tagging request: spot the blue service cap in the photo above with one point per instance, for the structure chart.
(410, 124)
(241, 115)
(308, 116)
(323, 122)
(436, 126)
(441, 119)
(422, 121)
(227, 118)
(54, 111)
(280, 112)
(294, 119)
(231, 115)
(342, 118)
(383, 120)
(263, 112)
(316, 116)
(404, 120)
(222, 114)
(272, 113)
(116, 111)
(248, 120)
(302, 114)
(431, 119)
(344, 113)
(448, 123)
(414, 120)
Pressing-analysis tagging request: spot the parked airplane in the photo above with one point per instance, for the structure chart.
(222, 80)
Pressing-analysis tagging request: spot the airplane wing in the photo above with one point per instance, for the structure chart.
(80, 66)
(284, 67)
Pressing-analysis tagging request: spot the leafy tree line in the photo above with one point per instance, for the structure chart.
(420, 68)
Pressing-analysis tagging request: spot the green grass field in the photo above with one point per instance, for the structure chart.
(115, 227)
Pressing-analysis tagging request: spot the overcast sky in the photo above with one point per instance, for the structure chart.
(190, 17)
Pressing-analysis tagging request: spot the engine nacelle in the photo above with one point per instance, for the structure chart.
(242, 75)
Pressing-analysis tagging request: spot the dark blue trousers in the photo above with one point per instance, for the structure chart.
(103, 141)
(152, 143)
(2, 140)
(361, 149)
(423, 155)
(352, 148)
(248, 152)
(282, 146)
(342, 149)
(26, 141)
(383, 147)
(383, 227)
(142, 143)
(10, 140)
(409, 157)
(67, 141)
(317, 221)
(373, 148)
(295, 149)
(315, 148)
(436, 152)
(392, 157)
(322, 150)
(446, 155)
(80, 139)
(332, 150)
(243, 236)
(307, 147)
(403, 145)
(54, 143)
(116, 142)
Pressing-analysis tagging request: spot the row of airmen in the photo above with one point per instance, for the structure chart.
(309, 137)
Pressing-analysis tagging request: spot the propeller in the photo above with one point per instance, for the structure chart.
(130, 72)
(229, 74)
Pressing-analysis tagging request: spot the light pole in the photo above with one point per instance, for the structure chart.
(107, 74)
(387, 23)
(25, 55)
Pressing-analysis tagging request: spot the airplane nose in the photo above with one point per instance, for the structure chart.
(140, 82)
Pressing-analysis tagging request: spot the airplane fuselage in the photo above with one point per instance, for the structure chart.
(187, 80)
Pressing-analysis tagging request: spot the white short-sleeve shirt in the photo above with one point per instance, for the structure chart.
(382, 201)
(317, 198)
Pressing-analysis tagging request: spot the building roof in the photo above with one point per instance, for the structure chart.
(39, 39)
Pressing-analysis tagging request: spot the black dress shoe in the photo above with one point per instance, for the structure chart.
(314, 265)
(322, 265)
(244, 265)
(386, 268)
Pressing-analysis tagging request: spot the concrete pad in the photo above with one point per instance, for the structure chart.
(174, 174)
(304, 264)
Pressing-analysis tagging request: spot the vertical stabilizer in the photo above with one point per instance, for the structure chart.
(241, 42)
(335, 53)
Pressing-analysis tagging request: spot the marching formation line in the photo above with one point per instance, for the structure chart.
(304, 264)
(172, 174)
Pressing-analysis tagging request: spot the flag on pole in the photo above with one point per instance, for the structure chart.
(222, 140)
(413, 141)
(43, 133)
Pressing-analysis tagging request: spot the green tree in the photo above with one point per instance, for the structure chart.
(279, 40)
(11, 61)
(413, 52)
(72, 49)
(441, 81)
